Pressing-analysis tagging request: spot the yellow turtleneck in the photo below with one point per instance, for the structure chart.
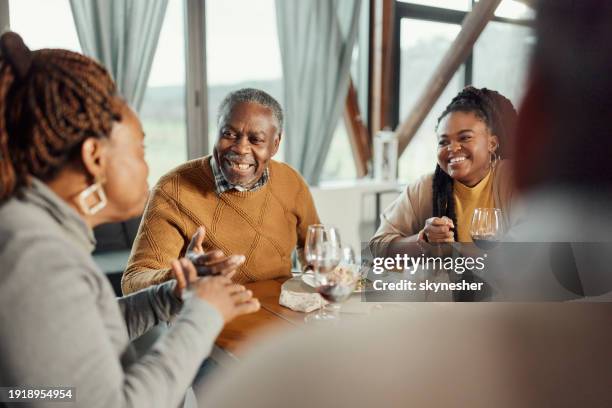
(467, 199)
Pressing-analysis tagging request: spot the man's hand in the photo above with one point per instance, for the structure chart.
(202, 264)
(195, 246)
(213, 262)
(184, 277)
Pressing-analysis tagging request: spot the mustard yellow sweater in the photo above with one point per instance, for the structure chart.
(264, 225)
(467, 199)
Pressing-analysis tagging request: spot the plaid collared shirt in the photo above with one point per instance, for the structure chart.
(222, 185)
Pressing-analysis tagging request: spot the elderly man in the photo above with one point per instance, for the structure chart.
(246, 202)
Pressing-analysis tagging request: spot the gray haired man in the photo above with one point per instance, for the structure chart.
(247, 203)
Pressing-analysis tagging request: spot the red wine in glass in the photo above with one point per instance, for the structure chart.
(335, 293)
(485, 242)
(486, 227)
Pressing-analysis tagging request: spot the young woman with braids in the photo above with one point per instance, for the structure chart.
(473, 135)
(72, 157)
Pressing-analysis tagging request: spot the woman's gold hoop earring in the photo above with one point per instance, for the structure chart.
(494, 159)
(94, 189)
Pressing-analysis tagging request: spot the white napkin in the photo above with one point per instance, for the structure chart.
(298, 296)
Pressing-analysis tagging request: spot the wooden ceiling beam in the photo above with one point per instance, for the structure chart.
(382, 14)
(357, 132)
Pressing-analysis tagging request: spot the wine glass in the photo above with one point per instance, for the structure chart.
(323, 252)
(486, 227)
(341, 282)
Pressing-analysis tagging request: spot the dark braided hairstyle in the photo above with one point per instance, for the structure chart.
(51, 101)
(497, 112)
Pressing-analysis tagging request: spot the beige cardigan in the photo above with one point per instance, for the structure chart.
(406, 216)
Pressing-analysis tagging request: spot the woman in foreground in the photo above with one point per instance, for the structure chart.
(71, 158)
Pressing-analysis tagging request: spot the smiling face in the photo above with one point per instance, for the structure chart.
(248, 138)
(465, 144)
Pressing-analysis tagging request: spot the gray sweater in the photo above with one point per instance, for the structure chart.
(61, 325)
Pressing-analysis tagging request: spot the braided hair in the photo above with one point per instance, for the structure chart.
(498, 114)
(51, 101)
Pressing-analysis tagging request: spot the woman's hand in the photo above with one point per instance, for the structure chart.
(184, 277)
(213, 262)
(230, 299)
(439, 230)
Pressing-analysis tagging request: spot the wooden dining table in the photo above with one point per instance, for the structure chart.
(245, 331)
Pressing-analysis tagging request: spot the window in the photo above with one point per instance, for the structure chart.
(30, 19)
(514, 9)
(163, 108)
(501, 57)
(499, 61)
(448, 4)
(422, 45)
(241, 53)
(340, 163)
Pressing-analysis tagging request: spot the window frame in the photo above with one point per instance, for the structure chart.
(438, 15)
(196, 82)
